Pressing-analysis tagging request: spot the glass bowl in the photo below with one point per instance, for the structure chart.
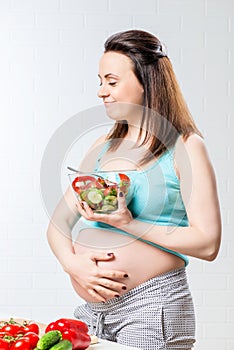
(100, 189)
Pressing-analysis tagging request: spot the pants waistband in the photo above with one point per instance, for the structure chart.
(163, 281)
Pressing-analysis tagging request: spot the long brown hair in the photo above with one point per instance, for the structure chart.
(162, 94)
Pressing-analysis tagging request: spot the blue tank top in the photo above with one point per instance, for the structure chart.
(157, 198)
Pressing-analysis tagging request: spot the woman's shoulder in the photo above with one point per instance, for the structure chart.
(193, 143)
(190, 151)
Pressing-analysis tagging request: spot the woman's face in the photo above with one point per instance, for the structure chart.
(118, 83)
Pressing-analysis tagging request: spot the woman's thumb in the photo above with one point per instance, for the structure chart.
(121, 200)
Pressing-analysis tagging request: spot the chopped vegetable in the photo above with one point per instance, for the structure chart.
(112, 200)
(95, 196)
(107, 207)
(99, 193)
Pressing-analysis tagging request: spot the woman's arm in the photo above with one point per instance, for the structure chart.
(60, 227)
(202, 237)
(83, 269)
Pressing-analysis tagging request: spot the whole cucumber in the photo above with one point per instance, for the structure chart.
(49, 339)
(62, 345)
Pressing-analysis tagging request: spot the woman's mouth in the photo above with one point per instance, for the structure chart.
(107, 103)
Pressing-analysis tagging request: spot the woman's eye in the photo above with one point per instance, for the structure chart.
(113, 83)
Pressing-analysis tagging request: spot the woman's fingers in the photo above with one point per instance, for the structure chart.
(118, 218)
(96, 295)
(106, 293)
(102, 294)
(112, 274)
(80, 206)
(85, 210)
(113, 286)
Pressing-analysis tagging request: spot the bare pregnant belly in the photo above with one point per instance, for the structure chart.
(139, 260)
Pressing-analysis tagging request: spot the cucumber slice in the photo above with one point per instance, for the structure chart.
(83, 195)
(95, 196)
(112, 200)
(108, 207)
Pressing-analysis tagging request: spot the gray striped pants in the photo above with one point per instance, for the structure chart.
(156, 315)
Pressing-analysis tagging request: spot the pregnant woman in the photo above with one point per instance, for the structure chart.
(130, 265)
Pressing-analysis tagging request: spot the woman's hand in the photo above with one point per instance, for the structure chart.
(118, 218)
(101, 284)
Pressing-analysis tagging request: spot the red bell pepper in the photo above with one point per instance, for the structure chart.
(101, 183)
(50, 327)
(124, 183)
(124, 178)
(80, 340)
(75, 324)
(75, 331)
(82, 183)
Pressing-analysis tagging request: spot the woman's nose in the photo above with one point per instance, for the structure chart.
(103, 91)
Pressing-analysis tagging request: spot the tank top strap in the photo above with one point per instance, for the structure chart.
(168, 156)
(165, 161)
(168, 163)
(172, 151)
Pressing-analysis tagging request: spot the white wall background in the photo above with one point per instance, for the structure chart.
(49, 52)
